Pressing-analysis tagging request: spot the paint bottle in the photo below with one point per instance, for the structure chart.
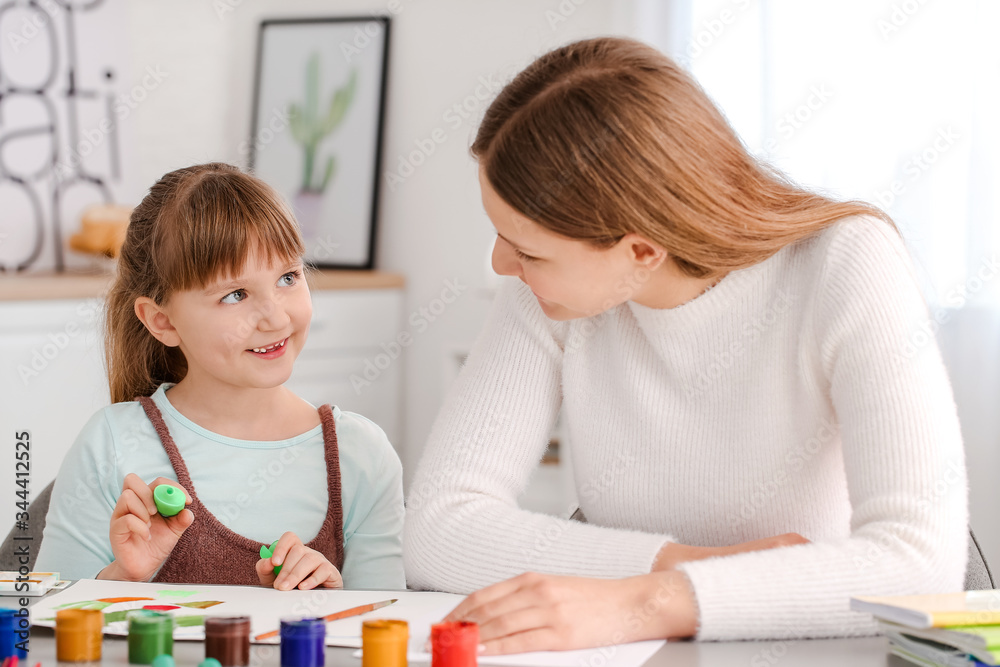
(383, 643)
(10, 629)
(454, 644)
(227, 639)
(303, 642)
(79, 633)
(150, 634)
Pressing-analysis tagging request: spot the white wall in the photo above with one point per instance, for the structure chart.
(431, 228)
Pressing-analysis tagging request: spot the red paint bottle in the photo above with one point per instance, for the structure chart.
(454, 644)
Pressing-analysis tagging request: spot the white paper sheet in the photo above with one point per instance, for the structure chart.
(623, 655)
(266, 606)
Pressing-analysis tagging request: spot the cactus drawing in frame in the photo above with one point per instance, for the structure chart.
(310, 125)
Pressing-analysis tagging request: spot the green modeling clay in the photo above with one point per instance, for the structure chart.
(169, 499)
(265, 552)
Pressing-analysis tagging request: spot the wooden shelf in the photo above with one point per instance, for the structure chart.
(51, 286)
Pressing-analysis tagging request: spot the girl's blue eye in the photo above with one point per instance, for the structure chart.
(527, 258)
(235, 297)
(290, 278)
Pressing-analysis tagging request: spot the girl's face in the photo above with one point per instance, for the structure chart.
(570, 278)
(241, 331)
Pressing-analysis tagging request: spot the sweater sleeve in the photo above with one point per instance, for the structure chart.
(463, 527)
(75, 541)
(903, 458)
(373, 523)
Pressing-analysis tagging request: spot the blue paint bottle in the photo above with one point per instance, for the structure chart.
(303, 642)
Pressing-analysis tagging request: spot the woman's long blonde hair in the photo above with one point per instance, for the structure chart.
(608, 136)
(195, 224)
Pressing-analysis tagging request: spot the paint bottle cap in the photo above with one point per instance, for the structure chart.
(169, 499)
(266, 551)
(454, 644)
(147, 621)
(303, 628)
(386, 630)
(79, 634)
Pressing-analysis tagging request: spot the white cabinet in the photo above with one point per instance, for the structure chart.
(51, 382)
(345, 363)
(52, 377)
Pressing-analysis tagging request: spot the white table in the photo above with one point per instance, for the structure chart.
(863, 652)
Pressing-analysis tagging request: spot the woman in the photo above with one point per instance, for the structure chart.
(732, 355)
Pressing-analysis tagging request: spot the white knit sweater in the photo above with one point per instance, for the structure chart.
(798, 395)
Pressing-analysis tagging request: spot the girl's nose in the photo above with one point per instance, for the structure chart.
(505, 262)
(273, 316)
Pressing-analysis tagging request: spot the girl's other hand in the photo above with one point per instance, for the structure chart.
(302, 567)
(672, 553)
(141, 539)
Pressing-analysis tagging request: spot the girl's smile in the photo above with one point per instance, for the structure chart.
(270, 351)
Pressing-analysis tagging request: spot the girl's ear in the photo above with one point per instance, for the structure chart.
(643, 251)
(156, 321)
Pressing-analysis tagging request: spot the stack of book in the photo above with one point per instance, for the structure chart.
(960, 629)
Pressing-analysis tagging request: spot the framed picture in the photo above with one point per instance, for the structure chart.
(316, 137)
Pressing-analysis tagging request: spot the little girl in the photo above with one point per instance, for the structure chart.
(204, 322)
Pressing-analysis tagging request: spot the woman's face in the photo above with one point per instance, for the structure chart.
(570, 278)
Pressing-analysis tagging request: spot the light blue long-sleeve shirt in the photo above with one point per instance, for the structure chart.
(258, 489)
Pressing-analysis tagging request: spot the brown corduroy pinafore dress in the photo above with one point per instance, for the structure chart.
(210, 553)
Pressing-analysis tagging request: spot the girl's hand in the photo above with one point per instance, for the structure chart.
(141, 539)
(302, 567)
(672, 553)
(535, 612)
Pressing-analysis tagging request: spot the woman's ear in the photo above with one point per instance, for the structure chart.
(644, 252)
(156, 321)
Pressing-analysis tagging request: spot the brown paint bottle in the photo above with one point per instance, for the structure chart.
(227, 639)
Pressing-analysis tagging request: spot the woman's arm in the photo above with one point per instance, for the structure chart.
(903, 460)
(463, 528)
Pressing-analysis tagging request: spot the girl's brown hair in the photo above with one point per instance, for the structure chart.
(608, 136)
(196, 224)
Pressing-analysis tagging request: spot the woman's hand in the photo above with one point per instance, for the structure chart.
(301, 566)
(672, 553)
(141, 539)
(535, 612)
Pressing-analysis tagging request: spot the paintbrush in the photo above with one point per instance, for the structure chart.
(336, 616)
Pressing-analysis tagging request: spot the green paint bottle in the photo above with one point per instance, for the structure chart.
(150, 634)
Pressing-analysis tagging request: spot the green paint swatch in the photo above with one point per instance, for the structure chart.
(176, 594)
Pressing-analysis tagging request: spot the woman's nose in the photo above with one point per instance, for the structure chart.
(505, 262)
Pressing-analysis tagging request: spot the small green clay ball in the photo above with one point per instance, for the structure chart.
(163, 661)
